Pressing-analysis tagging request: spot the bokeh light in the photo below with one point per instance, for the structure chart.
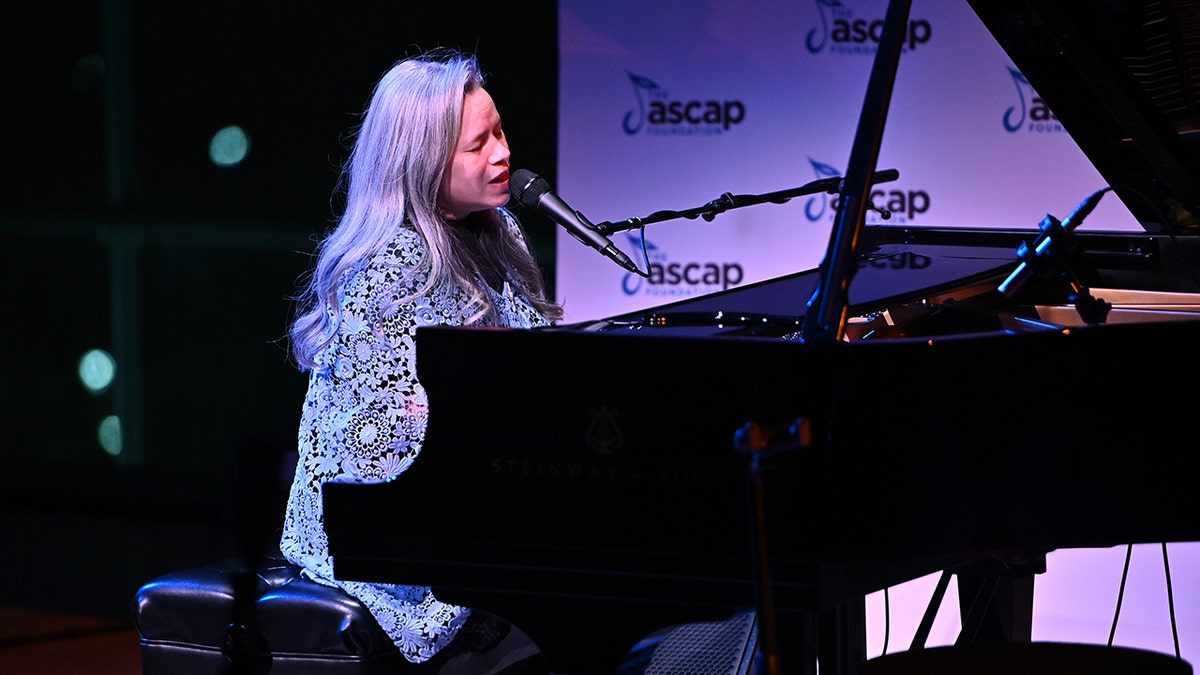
(229, 146)
(109, 435)
(97, 369)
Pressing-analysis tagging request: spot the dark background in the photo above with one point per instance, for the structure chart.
(117, 232)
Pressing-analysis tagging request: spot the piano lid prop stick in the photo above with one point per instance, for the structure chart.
(825, 317)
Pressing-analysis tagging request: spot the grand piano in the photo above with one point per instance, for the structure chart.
(990, 396)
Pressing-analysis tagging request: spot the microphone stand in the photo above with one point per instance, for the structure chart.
(729, 201)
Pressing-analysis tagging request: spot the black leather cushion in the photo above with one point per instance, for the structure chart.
(209, 619)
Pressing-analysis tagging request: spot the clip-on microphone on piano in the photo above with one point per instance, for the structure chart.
(1047, 257)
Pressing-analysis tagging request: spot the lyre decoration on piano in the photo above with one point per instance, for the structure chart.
(603, 434)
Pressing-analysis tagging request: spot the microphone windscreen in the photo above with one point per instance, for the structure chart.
(527, 188)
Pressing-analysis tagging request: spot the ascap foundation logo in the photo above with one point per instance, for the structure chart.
(842, 31)
(903, 205)
(1030, 112)
(674, 279)
(657, 113)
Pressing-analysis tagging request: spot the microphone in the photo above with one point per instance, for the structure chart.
(1053, 233)
(533, 192)
(1085, 207)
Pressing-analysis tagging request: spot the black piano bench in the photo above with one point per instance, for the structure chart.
(228, 618)
(705, 648)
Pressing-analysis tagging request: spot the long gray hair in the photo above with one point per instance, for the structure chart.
(401, 150)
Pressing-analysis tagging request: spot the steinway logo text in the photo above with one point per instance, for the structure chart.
(563, 471)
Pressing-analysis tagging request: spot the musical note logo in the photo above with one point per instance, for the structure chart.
(815, 207)
(1014, 118)
(643, 89)
(816, 41)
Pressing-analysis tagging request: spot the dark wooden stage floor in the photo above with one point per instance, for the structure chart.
(35, 642)
(70, 578)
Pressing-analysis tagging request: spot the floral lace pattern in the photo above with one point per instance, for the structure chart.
(364, 420)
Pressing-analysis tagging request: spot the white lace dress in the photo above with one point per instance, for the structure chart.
(364, 419)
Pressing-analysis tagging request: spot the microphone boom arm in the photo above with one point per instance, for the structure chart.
(729, 201)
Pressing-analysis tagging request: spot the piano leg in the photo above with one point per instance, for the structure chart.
(995, 601)
(997, 605)
(843, 638)
(836, 638)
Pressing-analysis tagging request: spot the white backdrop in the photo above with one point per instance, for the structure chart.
(668, 105)
(775, 90)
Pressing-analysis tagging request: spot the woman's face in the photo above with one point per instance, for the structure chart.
(477, 178)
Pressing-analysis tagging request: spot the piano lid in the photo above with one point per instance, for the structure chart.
(1123, 78)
